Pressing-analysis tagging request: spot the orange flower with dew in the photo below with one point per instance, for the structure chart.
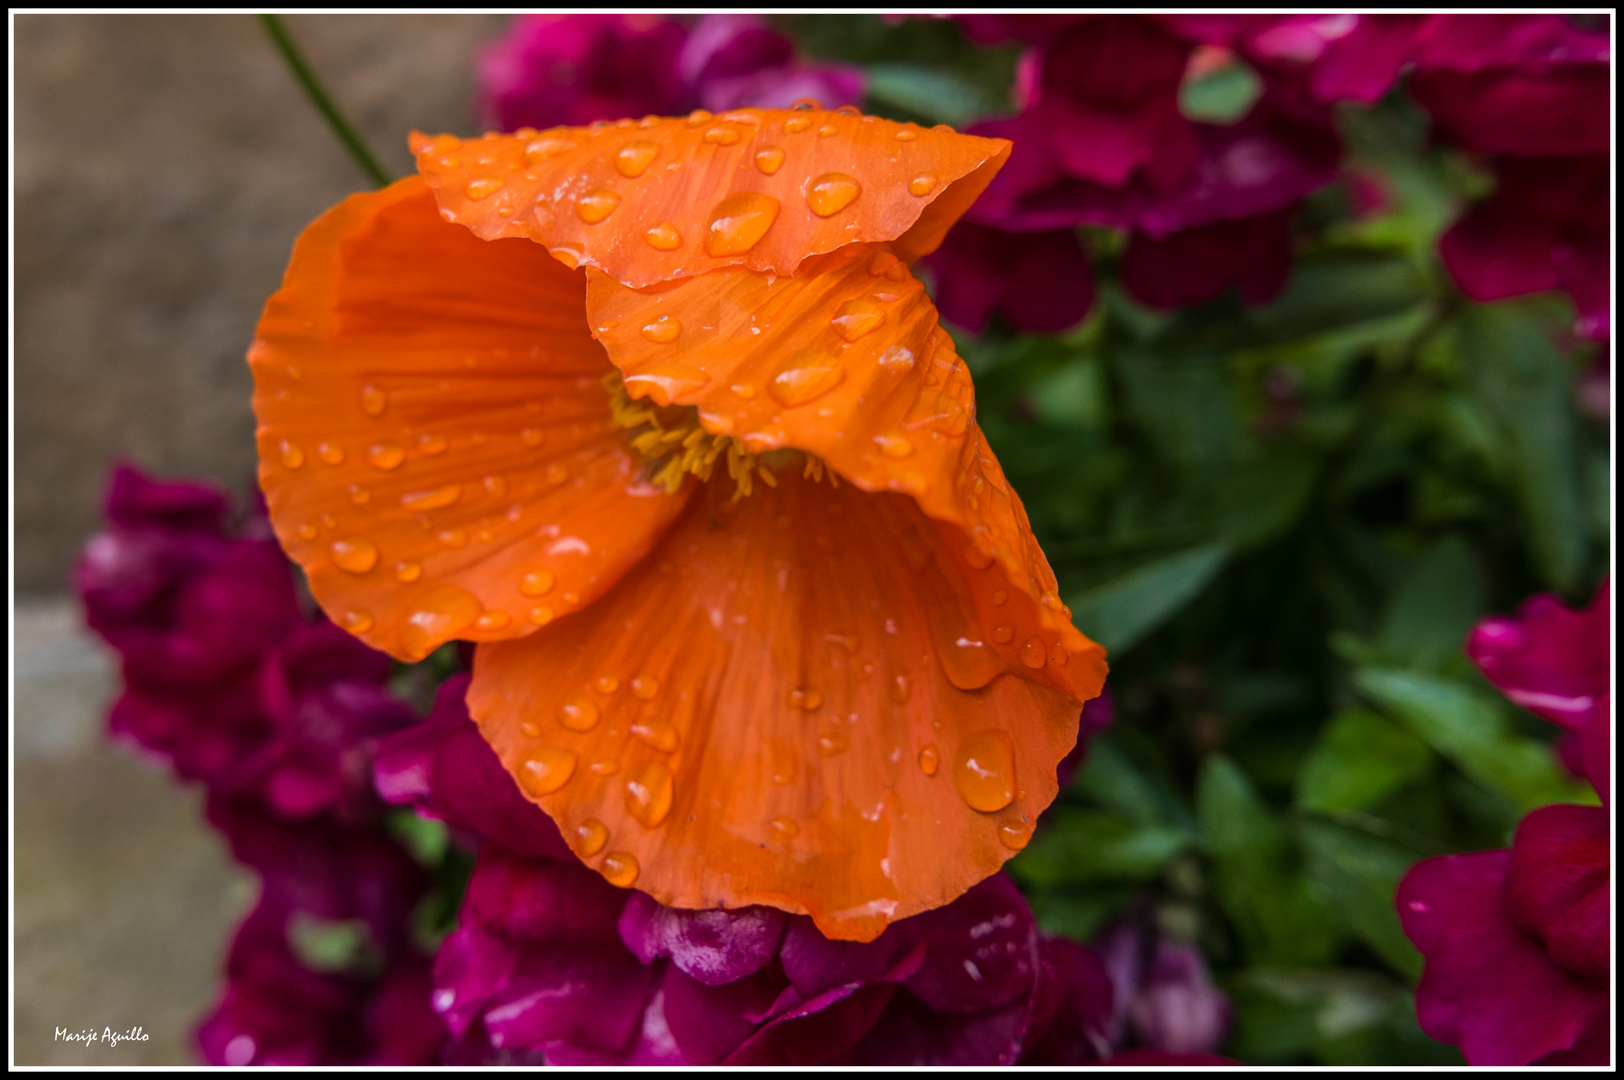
(656, 413)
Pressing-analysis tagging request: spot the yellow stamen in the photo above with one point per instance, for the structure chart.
(673, 444)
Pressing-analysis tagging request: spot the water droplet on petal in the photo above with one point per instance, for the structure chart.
(308, 532)
(330, 453)
(292, 454)
(537, 582)
(897, 360)
(530, 729)
(796, 124)
(484, 187)
(359, 495)
(542, 149)
(1001, 597)
(784, 828)
(882, 263)
(721, 136)
(769, 159)
(546, 769)
(358, 621)
(492, 620)
(1014, 834)
(833, 743)
(408, 572)
(541, 616)
(532, 437)
(386, 455)
(431, 445)
(1033, 654)
(743, 390)
(439, 614)
(355, 556)
(804, 698)
(978, 559)
(645, 687)
(634, 158)
(894, 446)
(663, 237)
(698, 117)
(664, 330)
(984, 770)
(899, 689)
(557, 473)
(832, 193)
(620, 868)
(437, 499)
(929, 759)
(922, 185)
(907, 135)
(579, 714)
(590, 836)
(648, 798)
(827, 130)
(1003, 634)
(1058, 655)
(607, 684)
(453, 538)
(739, 221)
(857, 318)
(569, 254)
(594, 206)
(804, 377)
(660, 735)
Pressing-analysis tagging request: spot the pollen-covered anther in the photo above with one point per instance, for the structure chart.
(674, 445)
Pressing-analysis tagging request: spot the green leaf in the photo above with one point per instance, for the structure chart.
(1077, 846)
(1471, 730)
(1359, 874)
(1221, 97)
(1338, 1016)
(332, 945)
(1434, 609)
(1526, 385)
(1121, 612)
(930, 92)
(1114, 780)
(1359, 760)
(1263, 498)
(1278, 917)
(426, 838)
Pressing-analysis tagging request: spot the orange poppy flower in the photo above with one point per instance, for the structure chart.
(656, 412)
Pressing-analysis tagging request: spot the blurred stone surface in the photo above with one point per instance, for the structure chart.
(124, 898)
(164, 165)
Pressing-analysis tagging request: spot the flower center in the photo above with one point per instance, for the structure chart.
(673, 444)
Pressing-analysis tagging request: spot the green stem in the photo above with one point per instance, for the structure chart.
(324, 104)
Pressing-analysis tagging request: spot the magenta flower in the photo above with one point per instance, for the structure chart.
(1164, 998)
(1040, 282)
(576, 69)
(1550, 659)
(1518, 953)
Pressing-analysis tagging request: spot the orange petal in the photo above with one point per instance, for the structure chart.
(846, 360)
(647, 201)
(818, 710)
(435, 442)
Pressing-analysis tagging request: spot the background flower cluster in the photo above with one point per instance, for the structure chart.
(1292, 333)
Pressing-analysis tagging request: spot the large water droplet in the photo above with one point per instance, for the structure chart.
(546, 769)
(984, 770)
(648, 798)
(663, 237)
(658, 734)
(1014, 834)
(929, 759)
(634, 158)
(922, 185)
(579, 714)
(541, 616)
(330, 453)
(1033, 654)
(594, 206)
(354, 556)
(1058, 655)
(1003, 634)
(739, 221)
(645, 687)
(537, 582)
(483, 188)
(907, 135)
(894, 446)
(292, 454)
(542, 149)
(664, 330)
(831, 193)
(804, 377)
(590, 836)
(386, 455)
(856, 318)
(797, 124)
(827, 130)
(769, 159)
(698, 118)
(358, 621)
(495, 619)
(408, 572)
(570, 254)
(620, 868)
(437, 499)
(897, 360)
(721, 135)
(439, 614)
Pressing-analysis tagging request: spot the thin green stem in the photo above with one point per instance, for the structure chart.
(323, 102)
